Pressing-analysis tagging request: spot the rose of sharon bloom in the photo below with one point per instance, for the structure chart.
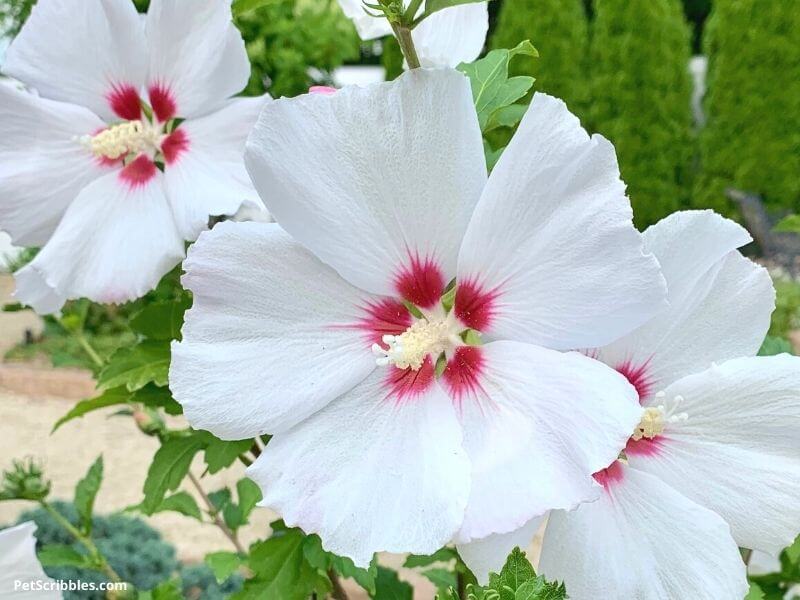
(715, 461)
(19, 565)
(132, 144)
(445, 39)
(392, 429)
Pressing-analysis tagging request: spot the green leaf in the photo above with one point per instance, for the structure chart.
(221, 454)
(135, 367)
(441, 578)
(389, 587)
(507, 116)
(281, 569)
(432, 6)
(423, 560)
(63, 556)
(161, 320)
(223, 564)
(492, 88)
(117, 395)
(249, 495)
(790, 224)
(773, 345)
(322, 560)
(793, 551)
(170, 465)
(755, 593)
(86, 492)
(153, 396)
(180, 502)
(492, 156)
(515, 572)
(539, 589)
(220, 498)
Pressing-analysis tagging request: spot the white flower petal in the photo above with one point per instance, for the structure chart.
(369, 473)
(738, 453)
(374, 180)
(89, 53)
(368, 27)
(32, 290)
(263, 345)
(197, 55)
(551, 255)
(539, 424)
(642, 540)
(42, 164)
(207, 177)
(719, 302)
(489, 554)
(19, 563)
(452, 35)
(113, 244)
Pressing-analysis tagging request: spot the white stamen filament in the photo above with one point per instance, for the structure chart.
(125, 138)
(409, 349)
(656, 418)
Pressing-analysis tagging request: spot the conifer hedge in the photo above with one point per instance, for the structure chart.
(752, 137)
(639, 98)
(558, 29)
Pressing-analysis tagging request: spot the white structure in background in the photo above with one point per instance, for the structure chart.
(698, 68)
(358, 75)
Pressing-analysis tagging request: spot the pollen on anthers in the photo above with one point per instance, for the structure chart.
(129, 137)
(656, 418)
(425, 337)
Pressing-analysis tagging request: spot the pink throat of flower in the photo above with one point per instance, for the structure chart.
(421, 282)
(611, 475)
(639, 375)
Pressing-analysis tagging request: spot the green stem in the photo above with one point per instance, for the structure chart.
(214, 513)
(84, 540)
(403, 35)
(96, 359)
(412, 10)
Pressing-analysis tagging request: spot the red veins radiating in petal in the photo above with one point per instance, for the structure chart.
(611, 475)
(639, 376)
(383, 317)
(138, 172)
(643, 447)
(408, 384)
(124, 101)
(463, 371)
(163, 102)
(421, 282)
(175, 144)
(474, 306)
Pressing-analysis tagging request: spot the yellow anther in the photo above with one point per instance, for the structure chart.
(125, 138)
(651, 425)
(409, 349)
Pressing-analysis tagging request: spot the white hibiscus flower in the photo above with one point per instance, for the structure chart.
(715, 462)
(445, 39)
(132, 144)
(385, 192)
(19, 566)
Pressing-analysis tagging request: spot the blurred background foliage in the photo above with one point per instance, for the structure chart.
(136, 551)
